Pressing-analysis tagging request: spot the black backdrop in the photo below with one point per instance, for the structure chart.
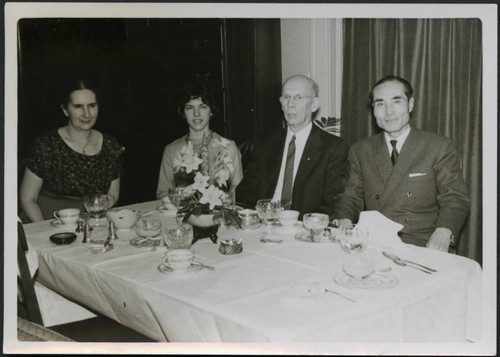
(138, 66)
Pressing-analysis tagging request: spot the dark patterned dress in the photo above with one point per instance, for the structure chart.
(69, 175)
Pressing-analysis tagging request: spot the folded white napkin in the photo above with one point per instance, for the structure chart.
(383, 231)
(304, 295)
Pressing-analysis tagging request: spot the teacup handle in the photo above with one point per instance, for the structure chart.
(55, 215)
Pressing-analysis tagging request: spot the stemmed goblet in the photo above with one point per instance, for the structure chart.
(97, 205)
(269, 212)
(316, 223)
(148, 228)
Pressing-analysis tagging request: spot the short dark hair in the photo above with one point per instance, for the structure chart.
(392, 78)
(194, 90)
(75, 84)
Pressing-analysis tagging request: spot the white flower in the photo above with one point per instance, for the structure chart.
(221, 176)
(187, 158)
(211, 195)
(200, 181)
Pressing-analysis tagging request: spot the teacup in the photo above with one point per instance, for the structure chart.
(288, 218)
(179, 259)
(67, 215)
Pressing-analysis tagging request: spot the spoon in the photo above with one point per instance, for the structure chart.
(269, 240)
(339, 294)
(204, 266)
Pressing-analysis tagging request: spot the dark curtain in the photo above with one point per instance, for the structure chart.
(442, 59)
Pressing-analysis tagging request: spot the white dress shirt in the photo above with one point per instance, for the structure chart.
(400, 140)
(300, 143)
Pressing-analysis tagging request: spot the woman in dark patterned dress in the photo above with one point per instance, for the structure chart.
(67, 163)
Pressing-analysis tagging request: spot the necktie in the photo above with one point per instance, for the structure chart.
(395, 154)
(286, 193)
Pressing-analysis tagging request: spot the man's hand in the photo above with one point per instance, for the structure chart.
(343, 222)
(440, 239)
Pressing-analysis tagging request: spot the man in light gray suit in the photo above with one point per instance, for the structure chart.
(411, 176)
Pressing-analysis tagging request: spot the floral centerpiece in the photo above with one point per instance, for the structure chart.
(208, 201)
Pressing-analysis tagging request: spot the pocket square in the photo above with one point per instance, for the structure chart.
(416, 174)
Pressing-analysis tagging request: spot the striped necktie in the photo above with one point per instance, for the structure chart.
(395, 154)
(286, 192)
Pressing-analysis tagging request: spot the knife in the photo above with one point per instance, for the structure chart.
(395, 257)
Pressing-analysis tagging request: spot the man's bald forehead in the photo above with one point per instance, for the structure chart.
(306, 80)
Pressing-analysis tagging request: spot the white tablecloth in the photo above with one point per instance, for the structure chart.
(247, 297)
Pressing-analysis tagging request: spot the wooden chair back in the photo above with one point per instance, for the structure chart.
(27, 307)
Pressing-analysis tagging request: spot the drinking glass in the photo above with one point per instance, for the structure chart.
(97, 205)
(269, 212)
(353, 238)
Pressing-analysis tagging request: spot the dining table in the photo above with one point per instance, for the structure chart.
(280, 290)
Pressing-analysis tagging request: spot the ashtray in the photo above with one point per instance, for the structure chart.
(231, 246)
(63, 238)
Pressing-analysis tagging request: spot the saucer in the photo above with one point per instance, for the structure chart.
(305, 237)
(164, 210)
(375, 281)
(193, 268)
(59, 224)
(142, 242)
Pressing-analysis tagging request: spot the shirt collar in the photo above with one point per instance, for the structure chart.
(301, 136)
(401, 139)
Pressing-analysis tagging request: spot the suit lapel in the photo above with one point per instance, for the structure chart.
(274, 163)
(400, 170)
(310, 157)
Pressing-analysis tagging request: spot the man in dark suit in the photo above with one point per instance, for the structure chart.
(301, 165)
(411, 176)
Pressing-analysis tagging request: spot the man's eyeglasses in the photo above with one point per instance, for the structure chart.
(285, 99)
